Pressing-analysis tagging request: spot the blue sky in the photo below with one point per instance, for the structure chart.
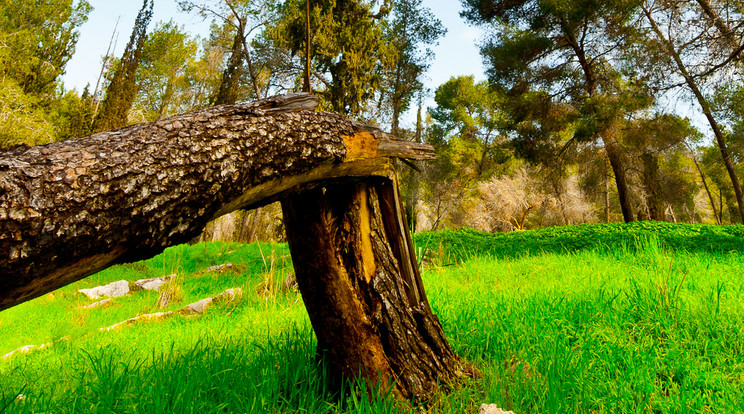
(457, 53)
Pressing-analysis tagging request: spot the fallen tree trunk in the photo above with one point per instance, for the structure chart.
(72, 208)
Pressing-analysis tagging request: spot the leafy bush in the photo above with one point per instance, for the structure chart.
(460, 245)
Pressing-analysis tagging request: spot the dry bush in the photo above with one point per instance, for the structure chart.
(570, 206)
(515, 202)
(441, 205)
(506, 202)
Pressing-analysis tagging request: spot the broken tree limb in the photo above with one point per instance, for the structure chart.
(69, 209)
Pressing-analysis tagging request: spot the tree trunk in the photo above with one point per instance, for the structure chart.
(123, 87)
(227, 93)
(607, 191)
(717, 132)
(359, 279)
(306, 86)
(705, 185)
(615, 159)
(652, 185)
(72, 208)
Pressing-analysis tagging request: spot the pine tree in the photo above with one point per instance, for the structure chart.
(122, 89)
(564, 50)
(349, 50)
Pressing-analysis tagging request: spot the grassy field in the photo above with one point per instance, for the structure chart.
(640, 318)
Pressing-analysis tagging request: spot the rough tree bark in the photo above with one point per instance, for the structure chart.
(72, 208)
(357, 272)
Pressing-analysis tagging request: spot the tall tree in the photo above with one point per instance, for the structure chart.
(37, 39)
(411, 32)
(676, 50)
(469, 113)
(656, 142)
(122, 88)
(163, 81)
(22, 121)
(565, 49)
(349, 49)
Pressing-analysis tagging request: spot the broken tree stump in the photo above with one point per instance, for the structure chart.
(356, 270)
(72, 208)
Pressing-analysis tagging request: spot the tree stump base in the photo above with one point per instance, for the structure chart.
(356, 270)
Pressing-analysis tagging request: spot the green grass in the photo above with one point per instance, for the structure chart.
(640, 318)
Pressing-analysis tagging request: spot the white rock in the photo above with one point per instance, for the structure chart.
(202, 305)
(22, 350)
(31, 348)
(221, 268)
(196, 307)
(229, 295)
(492, 409)
(113, 290)
(154, 283)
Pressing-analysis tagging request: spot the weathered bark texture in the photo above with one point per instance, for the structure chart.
(358, 276)
(72, 208)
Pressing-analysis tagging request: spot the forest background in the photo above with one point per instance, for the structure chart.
(577, 121)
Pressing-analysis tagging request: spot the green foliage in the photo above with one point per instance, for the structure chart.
(73, 115)
(21, 119)
(411, 32)
(347, 45)
(167, 55)
(469, 116)
(607, 237)
(717, 173)
(38, 39)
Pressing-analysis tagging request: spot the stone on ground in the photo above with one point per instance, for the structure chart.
(492, 409)
(112, 290)
(31, 348)
(195, 308)
(221, 268)
(154, 283)
(140, 318)
(201, 306)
